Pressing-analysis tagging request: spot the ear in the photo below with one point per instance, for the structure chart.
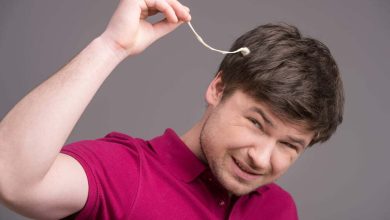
(215, 91)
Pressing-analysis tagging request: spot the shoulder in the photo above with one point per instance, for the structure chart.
(112, 166)
(280, 203)
(278, 193)
(115, 153)
(113, 144)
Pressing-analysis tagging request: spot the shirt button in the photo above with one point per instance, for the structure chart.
(210, 179)
(221, 203)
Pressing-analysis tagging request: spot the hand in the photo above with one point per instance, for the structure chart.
(129, 31)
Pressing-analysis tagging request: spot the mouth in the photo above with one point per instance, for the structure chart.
(243, 171)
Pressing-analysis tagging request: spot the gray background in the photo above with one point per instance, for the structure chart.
(346, 178)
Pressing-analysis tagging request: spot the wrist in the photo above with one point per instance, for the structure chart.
(111, 48)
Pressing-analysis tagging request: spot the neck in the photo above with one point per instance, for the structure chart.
(192, 139)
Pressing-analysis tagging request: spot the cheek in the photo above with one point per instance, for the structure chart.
(210, 140)
(219, 132)
(281, 162)
(224, 133)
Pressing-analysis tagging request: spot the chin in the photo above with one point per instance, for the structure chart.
(239, 190)
(234, 186)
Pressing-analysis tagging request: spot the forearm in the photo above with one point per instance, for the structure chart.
(33, 132)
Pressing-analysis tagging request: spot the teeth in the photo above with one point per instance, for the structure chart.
(239, 165)
(243, 168)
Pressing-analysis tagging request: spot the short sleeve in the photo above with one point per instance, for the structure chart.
(112, 168)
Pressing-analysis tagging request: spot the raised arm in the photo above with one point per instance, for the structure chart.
(33, 132)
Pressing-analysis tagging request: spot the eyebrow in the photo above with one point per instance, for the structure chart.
(298, 141)
(266, 119)
(262, 114)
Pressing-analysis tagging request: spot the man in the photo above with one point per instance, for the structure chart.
(263, 110)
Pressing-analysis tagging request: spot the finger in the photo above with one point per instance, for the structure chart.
(182, 12)
(163, 27)
(152, 12)
(165, 8)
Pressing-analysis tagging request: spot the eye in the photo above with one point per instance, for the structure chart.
(256, 123)
(291, 146)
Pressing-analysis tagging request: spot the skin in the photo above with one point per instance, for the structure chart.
(35, 129)
(129, 33)
(242, 150)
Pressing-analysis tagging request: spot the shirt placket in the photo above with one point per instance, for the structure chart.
(221, 196)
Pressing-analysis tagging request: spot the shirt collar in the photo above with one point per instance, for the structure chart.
(180, 160)
(176, 156)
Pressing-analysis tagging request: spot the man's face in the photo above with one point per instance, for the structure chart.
(247, 146)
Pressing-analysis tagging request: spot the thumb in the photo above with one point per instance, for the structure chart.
(164, 27)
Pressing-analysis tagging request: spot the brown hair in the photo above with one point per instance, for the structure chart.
(296, 76)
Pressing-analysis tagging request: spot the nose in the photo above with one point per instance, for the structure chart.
(260, 155)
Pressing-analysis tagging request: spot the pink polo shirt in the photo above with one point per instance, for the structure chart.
(131, 178)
